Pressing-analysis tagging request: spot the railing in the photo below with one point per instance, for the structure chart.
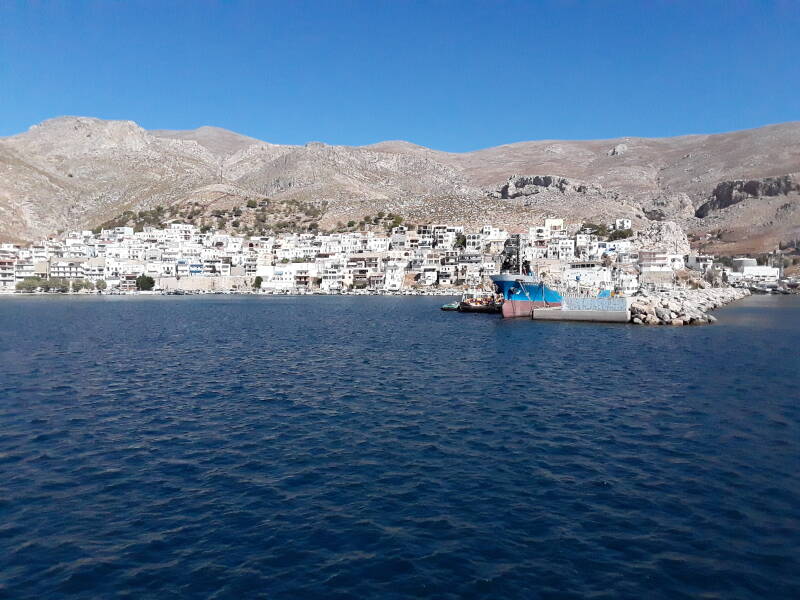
(602, 304)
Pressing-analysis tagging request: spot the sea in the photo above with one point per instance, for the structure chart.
(377, 447)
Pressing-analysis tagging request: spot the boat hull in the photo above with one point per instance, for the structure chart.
(524, 308)
(479, 308)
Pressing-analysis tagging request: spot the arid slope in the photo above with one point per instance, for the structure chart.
(79, 172)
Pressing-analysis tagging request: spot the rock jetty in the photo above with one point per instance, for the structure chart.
(682, 307)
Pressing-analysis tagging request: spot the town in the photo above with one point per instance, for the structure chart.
(182, 258)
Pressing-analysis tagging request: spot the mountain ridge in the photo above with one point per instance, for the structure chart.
(70, 172)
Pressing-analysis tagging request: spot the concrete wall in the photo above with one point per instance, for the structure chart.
(191, 284)
(598, 316)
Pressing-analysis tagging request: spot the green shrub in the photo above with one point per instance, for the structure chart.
(145, 283)
(620, 234)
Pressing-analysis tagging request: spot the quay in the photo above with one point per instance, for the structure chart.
(598, 310)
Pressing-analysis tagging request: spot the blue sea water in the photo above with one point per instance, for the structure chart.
(339, 447)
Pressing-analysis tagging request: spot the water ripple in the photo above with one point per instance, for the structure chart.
(376, 447)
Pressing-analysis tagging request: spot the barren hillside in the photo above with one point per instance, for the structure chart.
(79, 172)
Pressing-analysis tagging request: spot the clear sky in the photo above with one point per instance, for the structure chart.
(453, 75)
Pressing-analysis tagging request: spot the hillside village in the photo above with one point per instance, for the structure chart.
(578, 258)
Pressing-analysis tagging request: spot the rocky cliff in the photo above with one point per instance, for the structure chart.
(728, 193)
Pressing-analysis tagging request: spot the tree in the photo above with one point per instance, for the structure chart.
(56, 284)
(82, 284)
(620, 234)
(257, 282)
(725, 261)
(145, 283)
(29, 284)
(252, 204)
(461, 241)
(599, 230)
(101, 284)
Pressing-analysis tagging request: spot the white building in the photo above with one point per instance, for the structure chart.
(620, 224)
(700, 262)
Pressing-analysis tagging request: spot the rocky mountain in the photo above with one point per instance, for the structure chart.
(80, 172)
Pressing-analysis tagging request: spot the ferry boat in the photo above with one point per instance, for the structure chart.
(523, 293)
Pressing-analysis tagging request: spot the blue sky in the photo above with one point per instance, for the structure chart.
(454, 76)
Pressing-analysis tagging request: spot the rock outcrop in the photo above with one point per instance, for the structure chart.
(663, 235)
(618, 150)
(528, 185)
(682, 307)
(728, 193)
(669, 207)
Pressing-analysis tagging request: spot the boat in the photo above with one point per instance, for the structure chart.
(450, 306)
(479, 301)
(522, 293)
(528, 296)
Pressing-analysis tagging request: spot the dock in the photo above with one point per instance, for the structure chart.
(598, 310)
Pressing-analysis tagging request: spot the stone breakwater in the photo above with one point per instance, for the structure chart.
(682, 307)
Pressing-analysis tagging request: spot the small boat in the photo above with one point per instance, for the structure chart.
(479, 301)
(450, 306)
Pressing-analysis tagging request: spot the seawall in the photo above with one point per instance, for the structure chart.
(682, 307)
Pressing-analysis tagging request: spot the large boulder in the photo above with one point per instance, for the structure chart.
(663, 314)
(618, 150)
